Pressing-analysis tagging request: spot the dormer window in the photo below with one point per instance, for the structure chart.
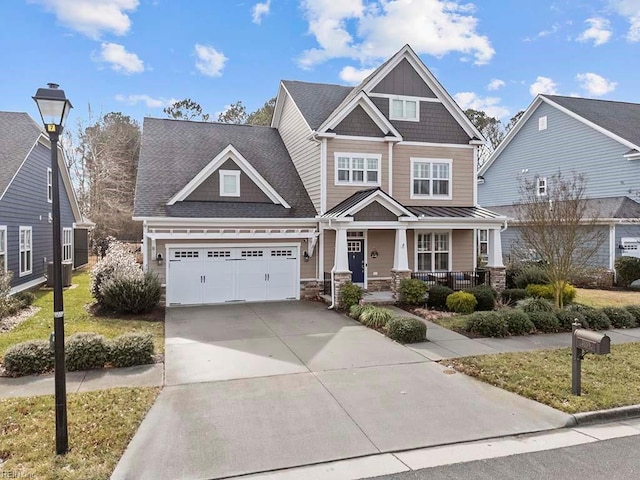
(229, 183)
(404, 108)
(541, 186)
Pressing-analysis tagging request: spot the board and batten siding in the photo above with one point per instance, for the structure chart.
(305, 153)
(25, 204)
(566, 145)
(338, 193)
(462, 174)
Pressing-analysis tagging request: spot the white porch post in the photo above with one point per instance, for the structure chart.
(400, 256)
(341, 255)
(495, 249)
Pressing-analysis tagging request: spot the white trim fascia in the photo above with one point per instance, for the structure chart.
(323, 175)
(385, 200)
(228, 235)
(431, 81)
(448, 161)
(352, 155)
(245, 166)
(277, 109)
(163, 221)
(365, 139)
(19, 168)
(612, 247)
(392, 95)
(390, 165)
(275, 124)
(27, 286)
(632, 156)
(475, 176)
(431, 144)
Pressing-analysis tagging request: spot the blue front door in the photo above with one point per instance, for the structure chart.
(355, 248)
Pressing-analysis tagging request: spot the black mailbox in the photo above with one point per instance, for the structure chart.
(592, 342)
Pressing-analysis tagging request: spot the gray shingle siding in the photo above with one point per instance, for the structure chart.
(436, 124)
(567, 145)
(403, 80)
(358, 123)
(25, 204)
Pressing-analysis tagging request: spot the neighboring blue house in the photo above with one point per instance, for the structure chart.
(597, 138)
(26, 237)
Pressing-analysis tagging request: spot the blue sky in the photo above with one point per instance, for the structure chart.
(136, 56)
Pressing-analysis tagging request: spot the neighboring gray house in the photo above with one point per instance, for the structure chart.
(26, 237)
(599, 139)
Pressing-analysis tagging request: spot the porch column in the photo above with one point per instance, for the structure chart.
(341, 255)
(495, 266)
(400, 269)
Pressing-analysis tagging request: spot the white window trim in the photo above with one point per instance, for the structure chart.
(449, 162)
(544, 187)
(65, 245)
(542, 123)
(229, 173)
(485, 257)
(49, 185)
(415, 249)
(404, 99)
(365, 156)
(3, 245)
(30, 271)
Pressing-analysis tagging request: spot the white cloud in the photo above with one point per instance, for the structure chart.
(368, 33)
(543, 85)
(149, 101)
(495, 84)
(489, 105)
(93, 17)
(354, 75)
(599, 31)
(594, 84)
(210, 61)
(260, 10)
(119, 59)
(630, 9)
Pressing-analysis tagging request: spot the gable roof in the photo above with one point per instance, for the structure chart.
(18, 134)
(363, 198)
(618, 120)
(316, 101)
(173, 152)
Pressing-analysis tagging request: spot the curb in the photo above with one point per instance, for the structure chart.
(619, 413)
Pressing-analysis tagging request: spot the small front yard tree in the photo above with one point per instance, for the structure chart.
(559, 225)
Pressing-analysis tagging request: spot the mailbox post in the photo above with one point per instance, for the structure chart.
(583, 342)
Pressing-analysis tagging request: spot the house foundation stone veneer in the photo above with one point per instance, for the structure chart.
(309, 290)
(497, 278)
(339, 279)
(378, 284)
(396, 277)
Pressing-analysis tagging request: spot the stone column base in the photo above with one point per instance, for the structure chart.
(339, 279)
(497, 278)
(396, 277)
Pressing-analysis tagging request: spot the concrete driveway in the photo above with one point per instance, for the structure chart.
(258, 387)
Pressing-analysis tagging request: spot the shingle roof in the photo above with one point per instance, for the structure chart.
(174, 151)
(620, 118)
(453, 212)
(18, 133)
(607, 207)
(349, 202)
(316, 101)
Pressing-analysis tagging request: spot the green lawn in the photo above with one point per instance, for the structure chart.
(100, 426)
(608, 381)
(78, 319)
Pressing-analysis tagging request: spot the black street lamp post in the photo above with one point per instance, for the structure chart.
(54, 108)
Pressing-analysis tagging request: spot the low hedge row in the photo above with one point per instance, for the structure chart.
(400, 329)
(83, 351)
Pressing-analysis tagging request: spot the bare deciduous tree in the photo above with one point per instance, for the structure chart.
(559, 225)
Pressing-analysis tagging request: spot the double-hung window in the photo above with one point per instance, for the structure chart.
(402, 108)
(541, 186)
(3, 248)
(431, 178)
(432, 251)
(67, 244)
(357, 169)
(26, 251)
(483, 245)
(49, 186)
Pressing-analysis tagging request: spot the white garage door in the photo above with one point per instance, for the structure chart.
(232, 274)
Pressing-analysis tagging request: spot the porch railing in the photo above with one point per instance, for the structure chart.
(326, 286)
(454, 280)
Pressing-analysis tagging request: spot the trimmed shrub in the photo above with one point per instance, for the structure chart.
(546, 291)
(8, 304)
(25, 298)
(131, 349)
(513, 295)
(487, 324)
(529, 274)
(627, 270)
(485, 296)
(412, 291)
(118, 263)
(356, 310)
(635, 311)
(461, 302)
(620, 317)
(596, 318)
(85, 351)
(375, 317)
(350, 294)
(131, 295)
(545, 322)
(28, 358)
(406, 330)
(534, 304)
(518, 322)
(437, 297)
(567, 317)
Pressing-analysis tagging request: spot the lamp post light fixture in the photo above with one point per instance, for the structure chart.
(54, 108)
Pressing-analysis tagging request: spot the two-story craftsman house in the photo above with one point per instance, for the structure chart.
(367, 183)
